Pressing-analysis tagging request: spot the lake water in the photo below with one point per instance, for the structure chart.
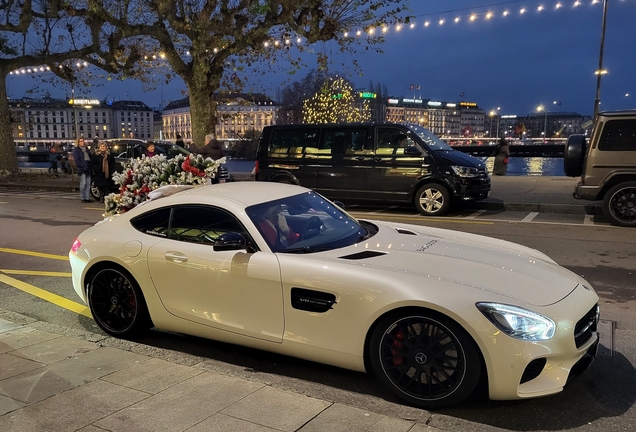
(537, 166)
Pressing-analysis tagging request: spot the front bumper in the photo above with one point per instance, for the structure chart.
(469, 189)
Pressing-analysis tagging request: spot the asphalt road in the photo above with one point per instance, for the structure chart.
(37, 230)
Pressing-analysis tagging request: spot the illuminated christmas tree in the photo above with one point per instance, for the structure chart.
(335, 103)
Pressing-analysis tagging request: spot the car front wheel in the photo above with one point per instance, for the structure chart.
(425, 358)
(95, 192)
(432, 199)
(619, 204)
(117, 304)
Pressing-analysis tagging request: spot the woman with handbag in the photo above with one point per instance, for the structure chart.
(501, 158)
(103, 169)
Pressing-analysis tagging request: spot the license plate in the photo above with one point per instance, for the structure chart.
(221, 180)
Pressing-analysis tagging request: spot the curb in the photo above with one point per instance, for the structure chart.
(589, 209)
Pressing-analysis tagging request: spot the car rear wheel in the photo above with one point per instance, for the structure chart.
(574, 155)
(425, 358)
(432, 199)
(95, 192)
(117, 304)
(619, 204)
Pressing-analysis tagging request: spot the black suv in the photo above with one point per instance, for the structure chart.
(124, 149)
(384, 162)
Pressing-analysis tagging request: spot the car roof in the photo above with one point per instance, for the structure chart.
(631, 112)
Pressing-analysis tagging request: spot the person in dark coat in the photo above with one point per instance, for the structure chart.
(103, 169)
(212, 148)
(502, 153)
(82, 159)
(179, 141)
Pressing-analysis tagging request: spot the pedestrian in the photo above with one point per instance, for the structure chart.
(193, 148)
(54, 156)
(150, 149)
(179, 141)
(103, 169)
(84, 169)
(212, 148)
(502, 155)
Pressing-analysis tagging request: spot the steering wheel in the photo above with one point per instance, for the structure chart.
(311, 228)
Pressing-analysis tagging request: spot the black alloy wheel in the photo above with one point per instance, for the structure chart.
(95, 192)
(432, 199)
(426, 359)
(619, 204)
(117, 303)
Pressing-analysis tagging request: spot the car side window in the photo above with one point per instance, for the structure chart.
(293, 142)
(390, 142)
(618, 135)
(154, 223)
(202, 224)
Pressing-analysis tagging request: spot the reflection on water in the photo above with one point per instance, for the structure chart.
(537, 166)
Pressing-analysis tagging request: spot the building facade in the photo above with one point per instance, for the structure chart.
(236, 114)
(132, 119)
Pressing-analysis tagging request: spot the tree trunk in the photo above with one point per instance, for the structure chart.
(202, 112)
(8, 157)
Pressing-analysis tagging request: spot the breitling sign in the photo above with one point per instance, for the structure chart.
(83, 102)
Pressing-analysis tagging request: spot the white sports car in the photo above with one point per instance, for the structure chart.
(280, 268)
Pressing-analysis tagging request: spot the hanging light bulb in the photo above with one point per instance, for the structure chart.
(473, 17)
(457, 19)
(489, 15)
(506, 12)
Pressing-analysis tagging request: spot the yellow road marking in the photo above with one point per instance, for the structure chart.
(45, 295)
(94, 208)
(35, 254)
(36, 273)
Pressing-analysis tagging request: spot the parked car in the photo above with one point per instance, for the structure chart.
(280, 268)
(607, 165)
(372, 162)
(124, 149)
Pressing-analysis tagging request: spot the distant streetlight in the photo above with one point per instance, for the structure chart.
(492, 113)
(600, 71)
(545, 121)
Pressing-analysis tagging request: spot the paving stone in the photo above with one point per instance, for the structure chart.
(6, 326)
(344, 418)
(54, 350)
(34, 386)
(11, 365)
(182, 405)
(91, 428)
(8, 405)
(73, 409)
(295, 409)
(152, 376)
(223, 423)
(23, 337)
(94, 364)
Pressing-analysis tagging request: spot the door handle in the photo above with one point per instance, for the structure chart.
(360, 158)
(377, 159)
(176, 257)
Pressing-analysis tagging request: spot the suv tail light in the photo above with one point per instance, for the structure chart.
(255, 167)
(76, 245)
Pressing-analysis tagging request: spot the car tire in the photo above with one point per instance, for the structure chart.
(95, 192)
(574, 155)
(425, 358)
(619, 204)
(432, 199)
(117, 303)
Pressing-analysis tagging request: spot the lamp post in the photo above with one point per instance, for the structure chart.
(545, 121)
(492, 113)
(600, 71)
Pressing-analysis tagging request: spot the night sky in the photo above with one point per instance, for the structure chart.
(516, 62)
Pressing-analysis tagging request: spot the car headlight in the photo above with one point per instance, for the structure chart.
(463, 171)
(517, 322)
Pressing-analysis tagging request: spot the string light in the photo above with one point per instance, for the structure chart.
(489, 15)
(426, 24)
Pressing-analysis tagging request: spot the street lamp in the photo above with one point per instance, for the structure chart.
(545, 121)
(492, 113)
(600, 71)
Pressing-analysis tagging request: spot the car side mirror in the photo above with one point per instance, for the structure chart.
(412, 151)
(230, 241)
(339, 204)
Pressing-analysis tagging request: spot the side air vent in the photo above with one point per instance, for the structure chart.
(312, 301)
(404, 231)
(363, 255)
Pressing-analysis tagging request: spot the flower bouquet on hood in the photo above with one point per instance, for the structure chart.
(142, 176)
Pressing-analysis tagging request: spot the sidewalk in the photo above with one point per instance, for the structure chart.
(542, 194)
(50, 381)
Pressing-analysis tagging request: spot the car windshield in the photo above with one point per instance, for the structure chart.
(429, 138)
(305, 223)
(169, 149)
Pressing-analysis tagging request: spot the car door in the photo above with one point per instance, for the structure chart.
(393, 172)
(234, 291)
(346, 154)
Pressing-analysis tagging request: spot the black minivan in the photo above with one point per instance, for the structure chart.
(382, 162)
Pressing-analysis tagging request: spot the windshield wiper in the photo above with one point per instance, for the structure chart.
(306, 249)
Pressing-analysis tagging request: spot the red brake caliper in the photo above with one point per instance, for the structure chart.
(398, 360)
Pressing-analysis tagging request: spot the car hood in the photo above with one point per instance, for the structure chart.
(488, 264)
(455, 157)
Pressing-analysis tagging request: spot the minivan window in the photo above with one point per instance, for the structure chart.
(618, 135)
(429, 138)
(293, 140)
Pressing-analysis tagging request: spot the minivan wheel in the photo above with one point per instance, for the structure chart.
(432, 199)
(619, 204)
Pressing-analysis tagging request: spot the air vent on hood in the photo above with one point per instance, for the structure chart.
(363, 255)
(405, 231)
